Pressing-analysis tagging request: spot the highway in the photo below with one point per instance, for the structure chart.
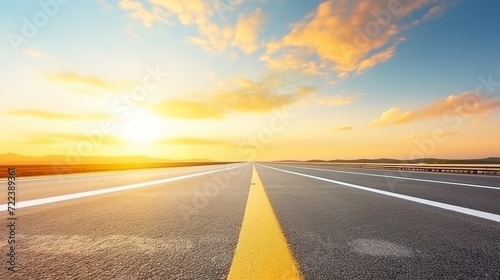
(255, 221)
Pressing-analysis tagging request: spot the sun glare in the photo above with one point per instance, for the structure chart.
(140, 128)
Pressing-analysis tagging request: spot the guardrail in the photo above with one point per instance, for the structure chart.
(482, 171)
(436, 168)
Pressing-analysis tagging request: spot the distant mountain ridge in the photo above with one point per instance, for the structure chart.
(12, 158)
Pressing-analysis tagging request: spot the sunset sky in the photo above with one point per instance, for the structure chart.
(251, 79)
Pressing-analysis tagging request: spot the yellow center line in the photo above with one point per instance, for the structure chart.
(262, 251)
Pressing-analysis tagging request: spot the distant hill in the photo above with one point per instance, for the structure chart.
(11, 158)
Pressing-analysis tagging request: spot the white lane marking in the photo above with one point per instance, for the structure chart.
(40, 201)
(61, 176)
(463, 210)
(100, 173)
(402, 178)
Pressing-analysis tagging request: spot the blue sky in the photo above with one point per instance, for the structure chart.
(233, 65)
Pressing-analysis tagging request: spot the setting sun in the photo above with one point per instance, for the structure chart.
(140, 128)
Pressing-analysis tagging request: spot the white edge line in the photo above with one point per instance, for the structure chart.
(396, 177)
(463, 210)
(47, 200)
(93, 174)
(60, 176)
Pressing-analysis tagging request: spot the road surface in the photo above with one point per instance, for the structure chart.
(254, 221)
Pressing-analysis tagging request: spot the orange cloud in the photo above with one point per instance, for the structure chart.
(138, 12)
(337, 100)
(86, 84)
(375, 59)
(258, 97)
(58, 116)
(292, 60)
(465, 104)
(186, 109)
(343, 35)
(187, 12)
(258, 102)
(74, 78)
(344, 128)
(436, 10)
(247, 97)
(212, 37)
(246, 33)
(433, 12)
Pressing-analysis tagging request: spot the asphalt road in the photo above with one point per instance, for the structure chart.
(213, 222)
